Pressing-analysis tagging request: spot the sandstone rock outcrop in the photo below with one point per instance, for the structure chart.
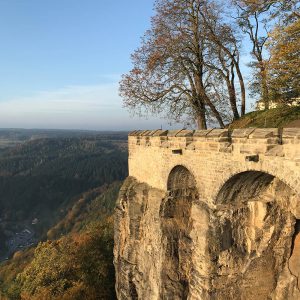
(248, 249)
(191, 240)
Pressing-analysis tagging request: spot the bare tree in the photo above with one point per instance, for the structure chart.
(253, 22)
(225, 57)
(172, 70)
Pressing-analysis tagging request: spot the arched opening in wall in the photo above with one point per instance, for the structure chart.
(255, 233)
(180, 178)
(175, 213)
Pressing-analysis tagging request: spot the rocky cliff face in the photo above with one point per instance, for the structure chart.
(172, 245)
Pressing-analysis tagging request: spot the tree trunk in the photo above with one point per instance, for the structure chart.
(242, 86)
(201, 118)
(264, 86)
(232, 94)
(204, 99)
(214, 111)
(232, 100)
(201, 123)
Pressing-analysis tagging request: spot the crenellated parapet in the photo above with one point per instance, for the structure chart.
(216, 150)
(249, 140)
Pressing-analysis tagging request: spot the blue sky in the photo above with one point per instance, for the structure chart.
(61, 60)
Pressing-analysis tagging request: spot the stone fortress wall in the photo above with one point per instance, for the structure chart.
(210, 214)
(213, 156)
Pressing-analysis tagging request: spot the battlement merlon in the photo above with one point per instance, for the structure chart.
(249, 140)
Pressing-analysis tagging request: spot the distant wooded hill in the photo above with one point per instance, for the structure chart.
(41, 178)
(76, 262)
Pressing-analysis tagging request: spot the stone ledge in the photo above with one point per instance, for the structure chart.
(248, 133)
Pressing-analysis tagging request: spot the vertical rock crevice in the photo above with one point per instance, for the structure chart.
(294, 260)
(137, 249)
(176, 224)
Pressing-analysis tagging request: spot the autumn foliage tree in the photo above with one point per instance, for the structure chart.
(259, 20)
(188, 63)
(174, 70)
(284, 46)
(78, 266)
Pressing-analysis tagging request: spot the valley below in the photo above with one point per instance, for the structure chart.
(57, 187)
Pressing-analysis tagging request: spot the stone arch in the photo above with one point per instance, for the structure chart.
(255, 238)
(283, 173)
(247, 183)
(180, 177)
(176, 225)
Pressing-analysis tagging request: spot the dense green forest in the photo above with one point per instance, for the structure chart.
(46, 184)
(60, 187)
(76, 263)
(40, 176)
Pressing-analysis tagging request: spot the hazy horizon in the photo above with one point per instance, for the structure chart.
(61, 63)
